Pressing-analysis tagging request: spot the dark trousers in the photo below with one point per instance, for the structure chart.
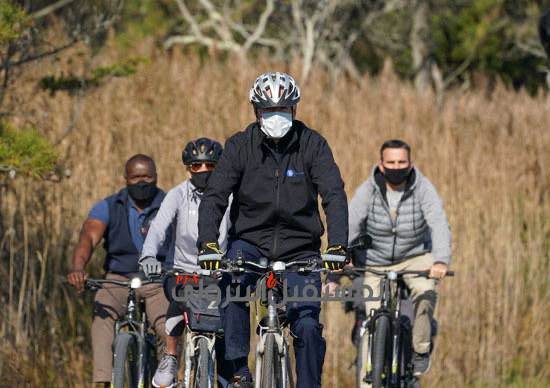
(309, 344)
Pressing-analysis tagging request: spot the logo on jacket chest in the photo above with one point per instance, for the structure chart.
(291, 173)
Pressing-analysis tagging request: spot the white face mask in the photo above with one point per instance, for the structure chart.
(276, 124)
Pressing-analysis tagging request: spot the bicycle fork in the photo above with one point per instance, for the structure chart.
(188, 357)
(272, 328)
(191, 340)
(395, 357)
(368, 377)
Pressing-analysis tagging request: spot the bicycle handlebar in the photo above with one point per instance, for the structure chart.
(263, 265)
(424, 273)
(94, 284)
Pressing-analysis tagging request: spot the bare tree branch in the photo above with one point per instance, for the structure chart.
(459, 70)
(189, 19)
(260, 28)
(223, 28)
(76, 117)
(419, 40)
(219, 25)
(389, 6)
(188, 39)
(531, 47)
(49, 9)
(38, 56)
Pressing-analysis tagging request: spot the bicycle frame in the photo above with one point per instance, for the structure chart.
(273, 327)
(388, 299)
(272, 323)
(135, 320)
(390, 307)
(192, 338)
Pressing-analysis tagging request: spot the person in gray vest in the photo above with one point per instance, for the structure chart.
(399, 208)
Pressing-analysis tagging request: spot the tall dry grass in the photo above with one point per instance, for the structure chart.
(487, 154)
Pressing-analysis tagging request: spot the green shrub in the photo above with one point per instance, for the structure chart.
(26, 152)
(13, 21)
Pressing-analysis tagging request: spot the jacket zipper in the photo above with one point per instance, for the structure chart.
(393, 223)
(277, 218)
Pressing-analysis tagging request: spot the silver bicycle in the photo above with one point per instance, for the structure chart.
(272, 368)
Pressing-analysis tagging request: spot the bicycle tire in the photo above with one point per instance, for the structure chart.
(125, 361)
(381, 362)
(277, 367)
(270, 371)
(405, 367)
(202, 374)
(360, 364)
(151, 362)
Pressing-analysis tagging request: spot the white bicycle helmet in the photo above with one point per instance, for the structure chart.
(274, 89)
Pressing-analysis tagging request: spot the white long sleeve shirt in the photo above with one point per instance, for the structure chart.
(182, 203)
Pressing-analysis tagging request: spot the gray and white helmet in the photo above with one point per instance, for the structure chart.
(274, 89)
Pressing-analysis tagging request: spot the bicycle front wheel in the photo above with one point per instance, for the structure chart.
(150, 358)
(361, 361)
(125, 361)
(202, 360)
(271, 370)
(382, 353)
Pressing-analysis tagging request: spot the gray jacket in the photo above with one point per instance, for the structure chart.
(182, 202)
(420, 225)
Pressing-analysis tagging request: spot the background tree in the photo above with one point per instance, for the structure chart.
(544, 34)
(433, 42)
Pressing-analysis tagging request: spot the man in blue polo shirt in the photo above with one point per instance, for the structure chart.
(122, 220)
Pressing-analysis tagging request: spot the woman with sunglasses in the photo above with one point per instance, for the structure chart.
(182, 206)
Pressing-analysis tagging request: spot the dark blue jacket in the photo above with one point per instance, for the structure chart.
(122, 254)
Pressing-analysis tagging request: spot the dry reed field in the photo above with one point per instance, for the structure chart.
(486, 153)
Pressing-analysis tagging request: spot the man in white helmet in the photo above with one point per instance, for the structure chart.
(275, 169)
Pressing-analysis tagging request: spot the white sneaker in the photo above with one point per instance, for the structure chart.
(166, 372)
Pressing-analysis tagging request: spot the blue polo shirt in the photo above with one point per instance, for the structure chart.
(100, 211)
(126, 231)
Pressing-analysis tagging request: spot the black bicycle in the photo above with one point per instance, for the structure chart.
(134, 347)
(387, 354)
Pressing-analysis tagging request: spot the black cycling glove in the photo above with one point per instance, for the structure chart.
(210, 256)
(334, 257)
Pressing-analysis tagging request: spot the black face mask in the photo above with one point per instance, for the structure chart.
(142, 191)
(200, 179)
(396, 176)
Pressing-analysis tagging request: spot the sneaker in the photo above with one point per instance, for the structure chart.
(421, 363)
(240, 382)
(166, 372)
